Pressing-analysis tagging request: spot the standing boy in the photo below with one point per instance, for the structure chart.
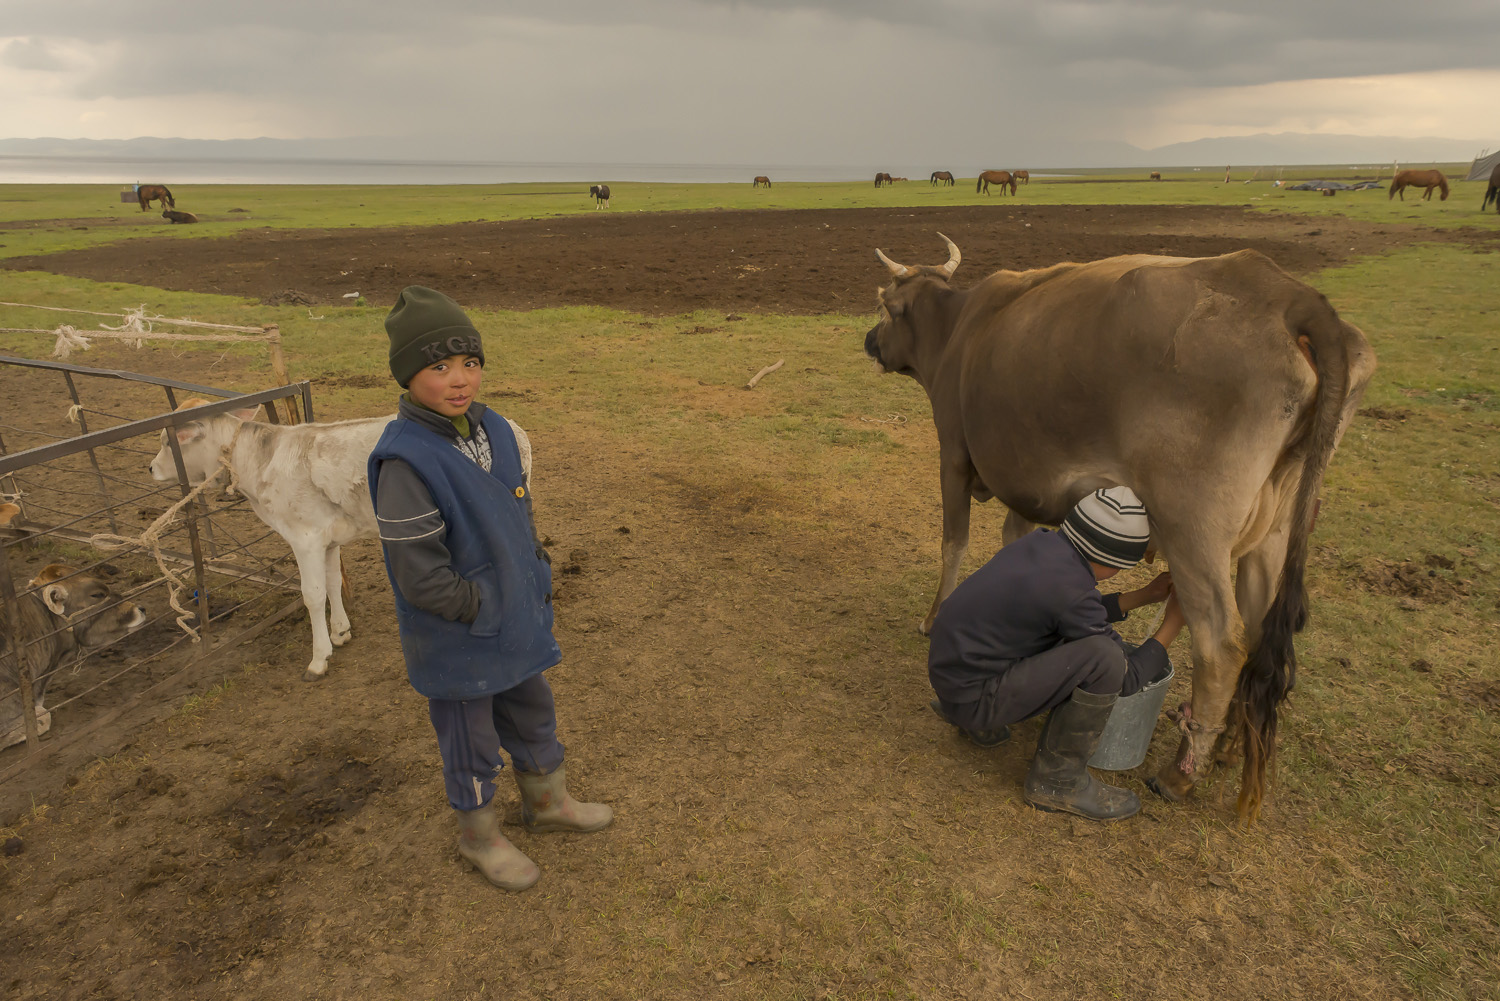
(1029, 633)
(473, 586)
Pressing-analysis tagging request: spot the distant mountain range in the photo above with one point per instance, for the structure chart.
(1283, 149)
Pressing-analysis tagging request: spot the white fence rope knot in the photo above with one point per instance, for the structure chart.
(68, 341)
(151, 539)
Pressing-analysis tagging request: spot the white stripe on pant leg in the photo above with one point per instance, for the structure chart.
(477, 800)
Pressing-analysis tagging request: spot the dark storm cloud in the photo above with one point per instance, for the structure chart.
(805, 80)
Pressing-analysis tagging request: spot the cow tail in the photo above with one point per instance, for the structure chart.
(1270, 672)
(978, 183)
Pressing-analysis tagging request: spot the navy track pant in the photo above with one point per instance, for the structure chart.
(471, 734)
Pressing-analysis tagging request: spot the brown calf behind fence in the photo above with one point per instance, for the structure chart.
(84, 501)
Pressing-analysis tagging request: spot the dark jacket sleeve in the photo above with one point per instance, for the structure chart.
(1090, 615)
(413, 533)
(1112, 608)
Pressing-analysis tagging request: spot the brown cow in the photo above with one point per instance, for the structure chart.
(1156, 175)
(1000, 177)
(759, 180)
(176, 217)
(1022, 176)
(1428, 179)
(69, 611)
(1492, 193)
(1215, 388)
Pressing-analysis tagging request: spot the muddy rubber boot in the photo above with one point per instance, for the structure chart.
(501, 862)
(1060, 778)
(546, 805)
(981, 738)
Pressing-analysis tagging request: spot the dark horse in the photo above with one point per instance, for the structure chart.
(1000, 177)
(1492, 194)
(883, 179)
(147, 193)
(941, 176)
(1428, 179)
(601, 195)
(761, 179)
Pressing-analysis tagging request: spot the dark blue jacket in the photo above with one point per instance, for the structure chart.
(489, 537)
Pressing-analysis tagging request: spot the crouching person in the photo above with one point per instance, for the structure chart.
(1030, 633)
(473, 586)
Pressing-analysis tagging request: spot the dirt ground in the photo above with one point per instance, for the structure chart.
(791, 819)
(803, 261)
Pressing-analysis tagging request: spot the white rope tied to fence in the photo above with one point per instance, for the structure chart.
(68, 341)
(151, 539)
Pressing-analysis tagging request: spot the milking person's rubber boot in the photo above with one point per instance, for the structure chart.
(546, 805)
(1060, 778)
(489, 851)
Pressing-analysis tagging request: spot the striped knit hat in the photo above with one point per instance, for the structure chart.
(1109, 527)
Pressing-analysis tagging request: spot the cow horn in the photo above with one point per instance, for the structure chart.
(899, 270)
(954, 257)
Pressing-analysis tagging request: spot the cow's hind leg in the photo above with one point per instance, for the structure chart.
(312, 564)
(338, 619)
(1200, 579)
(1015, 527)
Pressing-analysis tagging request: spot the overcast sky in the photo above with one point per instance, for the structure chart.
(747, 81)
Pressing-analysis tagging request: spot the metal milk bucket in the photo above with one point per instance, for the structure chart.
(1127, 735)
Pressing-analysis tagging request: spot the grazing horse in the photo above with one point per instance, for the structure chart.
(1156, 175)
(941, 177)
(1024, 176)
(1428, 179)
(147, 193)
(1492, 193)
(883, 179)
(601, 195)
(761, 179)
(1000, 177)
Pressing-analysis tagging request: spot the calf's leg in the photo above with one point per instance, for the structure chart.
(312, 565)
(338, 619)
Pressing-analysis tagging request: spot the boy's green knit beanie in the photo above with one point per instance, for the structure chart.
(426, 326)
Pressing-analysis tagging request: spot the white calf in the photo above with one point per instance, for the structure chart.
(308, 482)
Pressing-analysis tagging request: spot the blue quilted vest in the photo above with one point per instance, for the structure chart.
(489, 537)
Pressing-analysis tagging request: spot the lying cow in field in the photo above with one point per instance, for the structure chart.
(69, 611)
(308, 482)
(177, 217)
(1215, 388)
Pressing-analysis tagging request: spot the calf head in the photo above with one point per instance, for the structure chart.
(201, 442)
(97, 615)
(914, 315)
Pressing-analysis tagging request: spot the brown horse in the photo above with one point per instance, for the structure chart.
(147, 193)
(1428, 179)
(1492, 193)
(761, 179)
(1024, 176)
(941, 177)
(1000, 177)
(883, 179)
(1156, 175)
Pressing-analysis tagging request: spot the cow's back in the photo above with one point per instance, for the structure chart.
(1089, 367)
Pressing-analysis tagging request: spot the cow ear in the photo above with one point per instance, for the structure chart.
(246, 414)
(191, 431)
(55, 597)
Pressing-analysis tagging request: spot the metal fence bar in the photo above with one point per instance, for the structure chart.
(108, 436)
(112, 373)
(93, 456)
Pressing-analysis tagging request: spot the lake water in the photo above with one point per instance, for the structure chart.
(16, 169)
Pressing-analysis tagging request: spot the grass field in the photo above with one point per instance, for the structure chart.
(1376, 871)
(92, 214)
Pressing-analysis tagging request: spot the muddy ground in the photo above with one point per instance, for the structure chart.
(802, 261)
(791, 819)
